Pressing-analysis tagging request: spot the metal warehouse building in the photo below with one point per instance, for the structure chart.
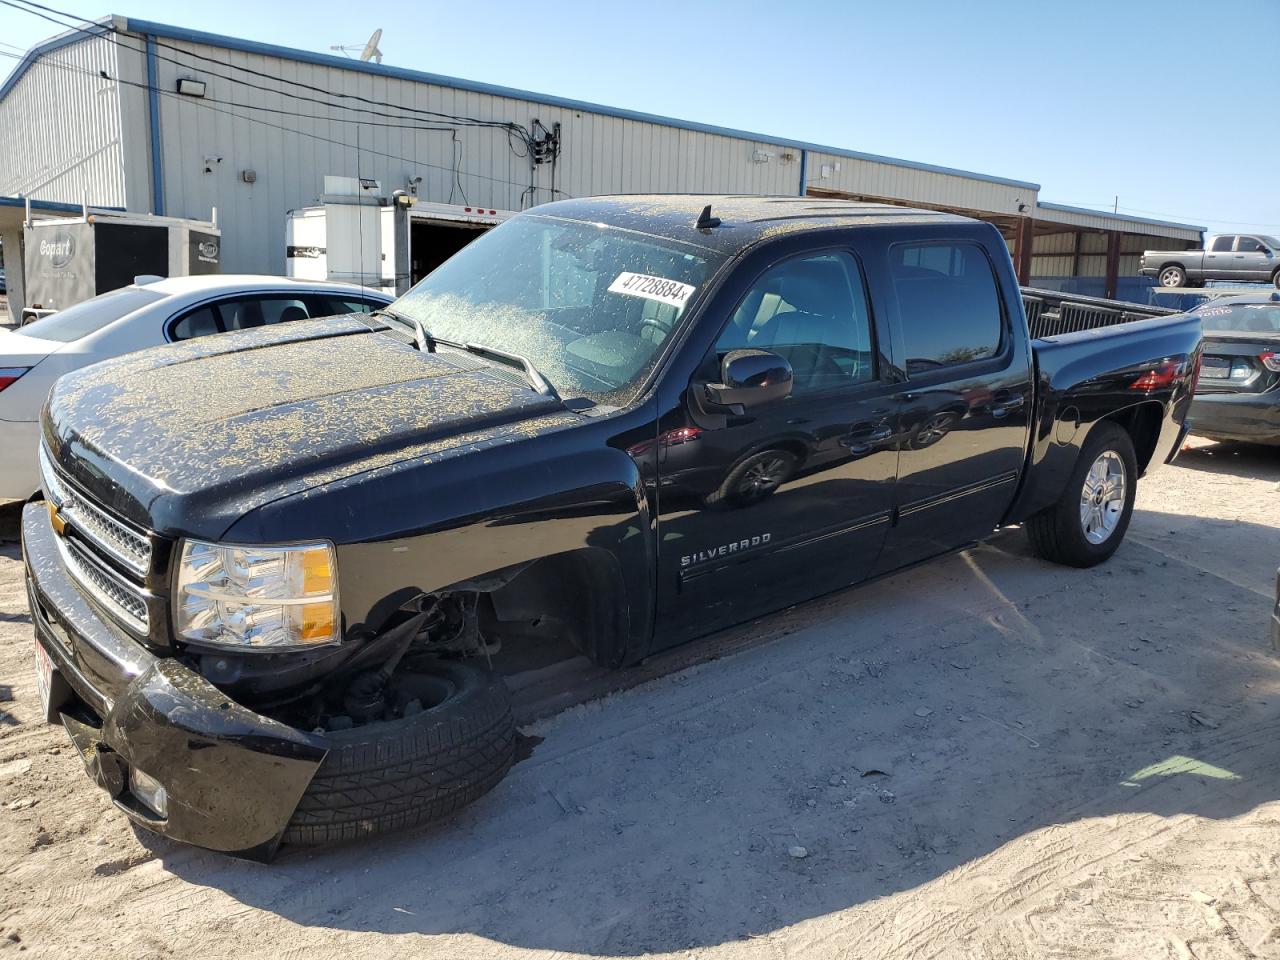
(154, 118)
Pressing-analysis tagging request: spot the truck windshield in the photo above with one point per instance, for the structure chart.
(84, 318)
(590, 306)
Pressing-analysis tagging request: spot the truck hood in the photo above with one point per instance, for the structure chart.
(186, 439)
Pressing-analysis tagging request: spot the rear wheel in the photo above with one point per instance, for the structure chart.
(1173, 276)
(406, 773)
(1275, 279)
(1089, 520)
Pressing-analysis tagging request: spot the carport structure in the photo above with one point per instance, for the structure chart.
(1058, 247)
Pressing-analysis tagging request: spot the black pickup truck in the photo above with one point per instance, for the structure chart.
(279, 574)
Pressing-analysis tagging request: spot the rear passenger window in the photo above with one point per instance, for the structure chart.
(948, 302)
(200, 323)
(260, 311)
(1222, 244)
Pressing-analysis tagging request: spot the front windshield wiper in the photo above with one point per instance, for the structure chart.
(536, 380)
(427, 344)
(423, 340)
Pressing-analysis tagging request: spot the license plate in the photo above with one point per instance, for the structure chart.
(1215, 368)
(44, 678)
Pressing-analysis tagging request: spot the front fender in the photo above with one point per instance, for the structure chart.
(421, 526)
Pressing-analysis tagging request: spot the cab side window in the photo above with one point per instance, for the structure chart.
(948, 302)
(1248, 245)
(813, 312)
(1223, 244)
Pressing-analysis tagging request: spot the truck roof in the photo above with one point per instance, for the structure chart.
(744, 220)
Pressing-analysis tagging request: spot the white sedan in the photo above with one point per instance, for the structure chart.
(142, 315)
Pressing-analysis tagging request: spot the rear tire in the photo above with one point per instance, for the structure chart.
(1173, 276)
(1275, 279)
(408, 773)
(1088, 523)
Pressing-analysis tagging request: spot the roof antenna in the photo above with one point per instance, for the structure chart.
(705, 220)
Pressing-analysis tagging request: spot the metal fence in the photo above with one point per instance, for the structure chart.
(1050, 313)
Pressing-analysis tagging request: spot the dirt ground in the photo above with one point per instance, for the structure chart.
(988, 757)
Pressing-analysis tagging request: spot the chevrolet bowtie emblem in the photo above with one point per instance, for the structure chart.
(59, 525)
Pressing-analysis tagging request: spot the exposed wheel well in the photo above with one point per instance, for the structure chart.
(1142, 423)
(577, 596)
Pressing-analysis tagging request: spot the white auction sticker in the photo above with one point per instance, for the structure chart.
(671, 292)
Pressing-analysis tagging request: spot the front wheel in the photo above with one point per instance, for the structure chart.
(1275, 279)
(1089, 520)
(1173, 277)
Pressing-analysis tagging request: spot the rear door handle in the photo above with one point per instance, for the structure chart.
(1006, 403)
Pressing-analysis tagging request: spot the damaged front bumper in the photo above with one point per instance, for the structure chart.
(232, 777)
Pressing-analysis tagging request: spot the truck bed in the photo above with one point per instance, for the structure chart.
(1051, 313)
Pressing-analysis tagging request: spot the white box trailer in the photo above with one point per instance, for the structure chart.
(387, 244)
(70, 260)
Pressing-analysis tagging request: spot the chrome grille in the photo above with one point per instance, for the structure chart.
(121, 598)
(117, 540)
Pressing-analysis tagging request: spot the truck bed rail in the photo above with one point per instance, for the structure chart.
(1050, 313)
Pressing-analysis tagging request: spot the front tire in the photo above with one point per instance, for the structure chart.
(1275, 279)
(1089, 521)
(1173, 276)
(406, 773)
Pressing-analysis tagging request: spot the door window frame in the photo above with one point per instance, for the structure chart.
(879, 354)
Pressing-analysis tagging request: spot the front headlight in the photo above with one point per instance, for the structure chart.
(250, 598)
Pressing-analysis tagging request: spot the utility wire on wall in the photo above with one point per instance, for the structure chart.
(538, 146)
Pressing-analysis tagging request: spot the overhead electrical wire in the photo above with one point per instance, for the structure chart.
(203, 103)
(538, 150)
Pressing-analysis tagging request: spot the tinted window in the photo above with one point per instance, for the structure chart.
(84, 318)
(948, 302)
(335, 306)
(813, 312)
(200, 323)
(250, 312)
(1221, 244)
(1248, 245)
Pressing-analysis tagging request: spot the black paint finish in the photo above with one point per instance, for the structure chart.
(428, 470)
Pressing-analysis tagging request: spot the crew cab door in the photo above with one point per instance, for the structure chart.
(791, 498)
(966, 400)
(1253, 260)
(1219, 259)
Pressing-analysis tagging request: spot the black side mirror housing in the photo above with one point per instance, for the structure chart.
(749, 378)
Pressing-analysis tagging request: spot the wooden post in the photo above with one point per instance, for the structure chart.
(1022, 249)
(1113, 263)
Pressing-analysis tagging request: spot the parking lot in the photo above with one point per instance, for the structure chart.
(985, 757)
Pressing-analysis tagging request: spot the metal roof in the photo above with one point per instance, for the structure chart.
(1119, 217)
(147, 27)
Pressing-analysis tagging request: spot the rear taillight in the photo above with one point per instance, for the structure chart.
(1271, 360)
(9, 374)
(1163, 375)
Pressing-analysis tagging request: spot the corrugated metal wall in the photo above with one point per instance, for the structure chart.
(888, 181)
(252, 129)
(62, 128)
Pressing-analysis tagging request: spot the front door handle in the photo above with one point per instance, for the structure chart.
(1006, 402)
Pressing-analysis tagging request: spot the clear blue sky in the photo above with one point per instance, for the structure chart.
(1174, 106)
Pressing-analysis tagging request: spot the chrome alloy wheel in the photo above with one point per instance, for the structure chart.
(1102, 497)
(763, 477)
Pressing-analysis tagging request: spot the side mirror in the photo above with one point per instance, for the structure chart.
(749, 378)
